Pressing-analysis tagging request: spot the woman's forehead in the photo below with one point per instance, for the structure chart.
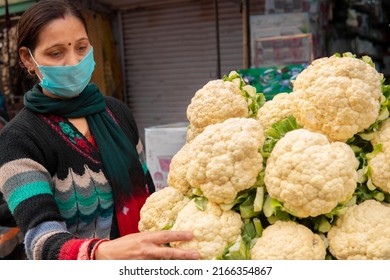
(64, 30)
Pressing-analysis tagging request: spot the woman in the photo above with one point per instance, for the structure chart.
(69, 166)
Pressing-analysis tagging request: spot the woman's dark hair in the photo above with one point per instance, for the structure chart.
(39, 15)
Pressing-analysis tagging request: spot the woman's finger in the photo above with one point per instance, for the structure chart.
(163, 237)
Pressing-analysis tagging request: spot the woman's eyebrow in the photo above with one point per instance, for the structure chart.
(64, 44)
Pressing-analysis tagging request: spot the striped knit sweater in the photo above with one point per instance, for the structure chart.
(52, 179)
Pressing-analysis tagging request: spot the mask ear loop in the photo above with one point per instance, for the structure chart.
(32, 72)
(32, 57)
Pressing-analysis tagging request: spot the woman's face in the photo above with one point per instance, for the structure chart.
(62, 42)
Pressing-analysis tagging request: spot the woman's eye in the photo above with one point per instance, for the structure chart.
(55, 54)
(82, 48)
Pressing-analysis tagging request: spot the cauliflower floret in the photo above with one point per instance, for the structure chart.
(337, 96)
(192, 132)
(217, 101)
(275, 110)
(379, 163)
(383, 135)
(225, 159)
(309, 174)
(363, 232)
(178, 170)
(288, 240)
(380, 170)
(213, 229)
(160, 209)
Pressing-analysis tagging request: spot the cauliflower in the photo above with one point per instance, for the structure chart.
(192, 132)
(160, 209)
(383, 135)
(379, 159)
(214, 229)
(220, 100)
(225, 159)
(380, 170)
(178, 170)
(275, 110)
(288, 240)
(282, 179)
(216, 102)
(309, 174)
(337, 96)
(363, 232)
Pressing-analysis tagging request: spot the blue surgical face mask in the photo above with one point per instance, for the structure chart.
(67, 81)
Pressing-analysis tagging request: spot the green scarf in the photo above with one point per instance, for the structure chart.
(119, 156)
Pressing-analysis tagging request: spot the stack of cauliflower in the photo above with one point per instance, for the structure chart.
(305, 175)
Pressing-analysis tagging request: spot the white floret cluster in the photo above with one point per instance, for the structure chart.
(302, 176)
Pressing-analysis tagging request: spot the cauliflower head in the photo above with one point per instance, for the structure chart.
(379, 162)
(309, 174)
(214, 229)
(178, 169)
(380, 170)
(362, 233)
(382, 136)
(275, 110)
(288, 240)
(217, 101)
(225, 159)
(337, 96)
(160, 209)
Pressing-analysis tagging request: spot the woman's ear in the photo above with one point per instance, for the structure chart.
(26, 59)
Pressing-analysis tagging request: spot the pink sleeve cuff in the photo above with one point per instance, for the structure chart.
(80, 249)
(92, 255)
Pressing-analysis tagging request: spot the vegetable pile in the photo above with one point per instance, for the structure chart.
(305, 175)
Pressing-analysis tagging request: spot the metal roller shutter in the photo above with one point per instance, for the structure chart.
(170, 52)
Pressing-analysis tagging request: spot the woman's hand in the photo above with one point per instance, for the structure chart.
(146, 246)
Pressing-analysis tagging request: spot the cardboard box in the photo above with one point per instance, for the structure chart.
(283, 50)
(283, 6)
(293, 6)
(264, 27)
(161, 144)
